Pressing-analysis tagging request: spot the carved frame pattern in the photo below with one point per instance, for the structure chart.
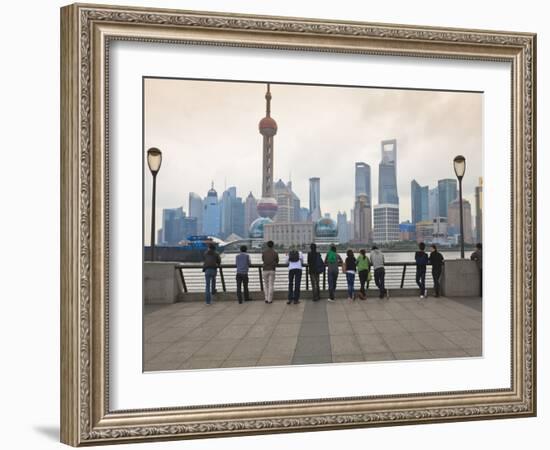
(86, 418)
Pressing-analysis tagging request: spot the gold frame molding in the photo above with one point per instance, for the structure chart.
(86, 31)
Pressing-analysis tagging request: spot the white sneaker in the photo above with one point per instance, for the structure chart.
(421, 297)
(331, 300)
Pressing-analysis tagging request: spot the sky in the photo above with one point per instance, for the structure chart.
(208, 132)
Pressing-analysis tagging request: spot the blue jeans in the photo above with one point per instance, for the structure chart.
(350, 278)
(210, 278)
(294, 280)
(332, 278)
(421, 278)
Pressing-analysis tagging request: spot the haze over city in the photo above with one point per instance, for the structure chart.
(208, 132)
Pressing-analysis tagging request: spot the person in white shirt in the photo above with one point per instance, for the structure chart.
(294, 261)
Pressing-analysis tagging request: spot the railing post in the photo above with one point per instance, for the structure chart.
(403, 276)
(307, 278)
(223, 279)
(261, 278)
(182, 280)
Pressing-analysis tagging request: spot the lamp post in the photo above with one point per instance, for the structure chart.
(154, 160)
(459, 164)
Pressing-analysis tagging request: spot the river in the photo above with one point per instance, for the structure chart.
(229, 258)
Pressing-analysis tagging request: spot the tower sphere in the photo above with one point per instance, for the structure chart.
(267, 207)
(268, 126)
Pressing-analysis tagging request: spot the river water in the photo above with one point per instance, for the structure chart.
(229, 258)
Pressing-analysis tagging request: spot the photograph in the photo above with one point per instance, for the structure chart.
(295, 224)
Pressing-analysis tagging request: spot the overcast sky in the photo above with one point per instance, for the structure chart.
(208, 131)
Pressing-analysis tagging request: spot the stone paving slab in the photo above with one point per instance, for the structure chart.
(188, 336)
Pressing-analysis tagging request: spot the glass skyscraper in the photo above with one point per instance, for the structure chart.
(447, 192)
(172, 225)
(419, 202)
(362, 181)
(212, 214)
(196, 209)
(315, 198)
(387, 176)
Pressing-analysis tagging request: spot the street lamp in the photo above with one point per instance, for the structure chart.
(460, 167)
(154, 160)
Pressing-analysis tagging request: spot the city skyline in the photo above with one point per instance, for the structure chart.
(333, 164)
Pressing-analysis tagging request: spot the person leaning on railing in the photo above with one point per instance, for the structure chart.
(270, 260)
(210, 266)
(242, 262)
(332, 261)
(377, 259)
(315, 268)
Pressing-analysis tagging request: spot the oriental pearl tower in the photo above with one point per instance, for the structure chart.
(267, 205)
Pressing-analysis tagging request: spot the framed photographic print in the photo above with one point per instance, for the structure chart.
(275, 224)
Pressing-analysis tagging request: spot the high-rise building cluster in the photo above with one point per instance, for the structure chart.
(435, 213)
(279, 215)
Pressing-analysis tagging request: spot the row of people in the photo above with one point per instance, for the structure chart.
(332, 263)
(351, 267)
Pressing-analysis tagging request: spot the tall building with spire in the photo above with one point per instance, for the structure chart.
(267, 206)
(212, 213)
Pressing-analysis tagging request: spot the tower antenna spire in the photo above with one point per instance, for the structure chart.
(268, 101)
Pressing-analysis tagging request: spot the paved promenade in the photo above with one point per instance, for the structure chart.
(191, 335)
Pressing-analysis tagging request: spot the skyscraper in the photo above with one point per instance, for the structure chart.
(172, 225)
(454, 219)
(250, 210)
(196, 209)
(226, 206)
(447, 192)
(387, 176)
(342, 224)
(362, 181)
(315, 198)
(433, 203)
(176, 226)
(419, 202)
(295, 204)
(286, 203)
(212, 214)
(479, 211)
(232, 214)
(386, 223)
(362, 219)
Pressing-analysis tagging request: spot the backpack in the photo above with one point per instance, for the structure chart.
(293, 256)
(319, 264)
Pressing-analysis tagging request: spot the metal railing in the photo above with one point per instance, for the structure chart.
(398, 275)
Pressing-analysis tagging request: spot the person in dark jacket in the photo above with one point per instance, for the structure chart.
(421, 258)
(210, 266)
(270, 259)
(315, 268)
(477, 256)
(242, 261)
(350, 269)
(436, 260)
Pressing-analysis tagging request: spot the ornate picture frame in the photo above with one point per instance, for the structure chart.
(86, 34)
